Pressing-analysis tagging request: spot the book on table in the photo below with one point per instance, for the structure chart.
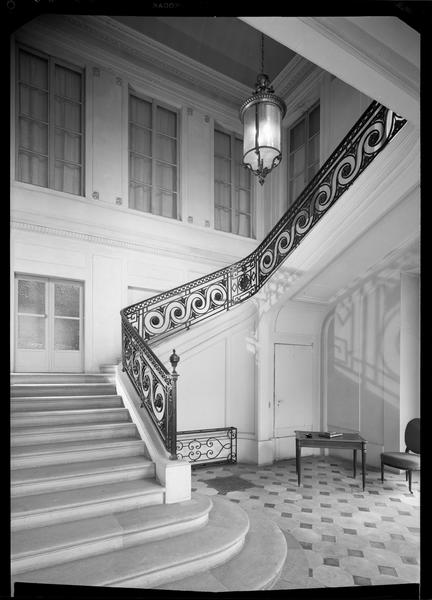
(330, 434)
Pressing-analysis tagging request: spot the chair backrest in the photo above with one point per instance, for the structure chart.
(412, 436)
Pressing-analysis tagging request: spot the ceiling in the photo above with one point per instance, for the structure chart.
(225, 44)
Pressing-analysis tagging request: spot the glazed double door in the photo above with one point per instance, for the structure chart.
(48, 324)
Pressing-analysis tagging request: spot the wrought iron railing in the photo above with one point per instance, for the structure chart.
(205, 446)
(162, 315)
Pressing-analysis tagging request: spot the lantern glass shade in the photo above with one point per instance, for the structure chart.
(261, 135)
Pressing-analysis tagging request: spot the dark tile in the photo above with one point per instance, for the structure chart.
(404, 513)
(276, 482)
(337, 479)
(274, 493)
(310, 572)
(335, 471)
(328, 538)
(395, 499)
(263, 477)
(305, 525)
(387, 570)
(358, 496)
(254, 497)
(269, 505)
(194, 489)
(306, 545)
(280, 474)
(373, 492)
(325, 493)
(287, 501)
(288, 515)
(364, 509)
(342, 500)
(369, 525)
(389, 519)
(307, 476)
(355, 552)
(326, 520)
(346, 514)
(350, 531)
(377, 544)
(307, 497)
(306, 510)
(322, 482)
(325, 505)
(234, 500)
(334, 465)
(380, 504)
(397, 536)
(409, 560)
(331, 561)
(341, 489)
(414, 529)
(306, 485)
(358, 580)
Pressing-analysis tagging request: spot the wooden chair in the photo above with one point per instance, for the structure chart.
(408, 460)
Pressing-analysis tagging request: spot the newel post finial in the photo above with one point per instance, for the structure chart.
(174, 359)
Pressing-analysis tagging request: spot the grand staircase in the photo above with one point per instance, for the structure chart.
(87, 508)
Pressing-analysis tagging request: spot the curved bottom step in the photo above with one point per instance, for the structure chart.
(257, 566)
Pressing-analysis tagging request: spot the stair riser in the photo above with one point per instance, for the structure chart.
(18, 405)
(44, 378)
(95, 509)
(31, 419)
(26, 438)
(56, 485)
(55, 556)
(63, 390)
(57, 458)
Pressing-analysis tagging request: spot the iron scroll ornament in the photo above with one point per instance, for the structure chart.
(160, 316)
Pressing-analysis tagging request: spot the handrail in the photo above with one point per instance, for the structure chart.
(160, 316)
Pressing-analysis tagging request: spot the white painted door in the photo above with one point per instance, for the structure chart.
(48, 325)
(293, 395)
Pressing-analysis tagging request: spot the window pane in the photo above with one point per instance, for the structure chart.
(141, 169)
(222, 219)
(222, 195)
(297, 136)
(297, 162)
(165, 204)
(166, 122)
(31, 332)
(238, 151)
(298, 186)
(33, 103)
(32, 168)
(166, 176)
(312, 171)
(68, 114)
(222, 169)
(33, 69)
(33, 135)
(313, 154)
(67, 83)
(244, 177)
(244, 225)
(67, 146)
(139, 197)
(244, 202)
(222, 144)
(67, 178)
(314, 121)
(166, 149)
(140, 112)
(140, 140)
(66, 334)
(66, 300)
(31, 296)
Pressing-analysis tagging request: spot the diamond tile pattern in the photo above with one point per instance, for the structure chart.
(337, 535)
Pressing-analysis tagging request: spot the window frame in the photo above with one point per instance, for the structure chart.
(52, 62)
(234, 186)
(155, 103)
(304, 117)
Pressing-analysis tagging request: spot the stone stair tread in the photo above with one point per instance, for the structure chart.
(256, 567)
(41, 429)
(68, 412)
(58, 447)
(73, 469)
(51, 501)
(51, 538)
(155, 560)
(18, 399)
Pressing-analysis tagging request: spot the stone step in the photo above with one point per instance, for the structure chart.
(23, 436)
(108, 368)
(60, 507)
(56, 544)
(66, 417)
(53, 478)
(256, 567)
(102, 377)
(62, 389)
(36, 403)
(67, 452)
(155, 562)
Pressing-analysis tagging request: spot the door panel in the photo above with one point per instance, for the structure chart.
(293, 406)
(49, 325)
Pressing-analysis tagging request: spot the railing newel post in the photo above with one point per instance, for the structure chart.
(172, 408)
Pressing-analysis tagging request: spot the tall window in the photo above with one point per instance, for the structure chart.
(50, 131)
(232, 186)
(303, 152)
(153, 158)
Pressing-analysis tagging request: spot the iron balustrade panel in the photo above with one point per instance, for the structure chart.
(208, 445)
(156, 318)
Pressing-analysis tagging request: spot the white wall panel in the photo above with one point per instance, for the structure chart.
(242, 388)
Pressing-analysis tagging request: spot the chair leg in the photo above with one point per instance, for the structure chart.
(382, 471)
(409, 481)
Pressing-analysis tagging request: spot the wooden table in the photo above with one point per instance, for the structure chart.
(346, 441)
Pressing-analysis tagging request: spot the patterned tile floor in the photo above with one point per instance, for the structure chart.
(337, 535)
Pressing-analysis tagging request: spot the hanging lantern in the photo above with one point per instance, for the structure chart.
(262, 115)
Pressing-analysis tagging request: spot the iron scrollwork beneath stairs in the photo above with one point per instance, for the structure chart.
(208, 445)
(163, 315)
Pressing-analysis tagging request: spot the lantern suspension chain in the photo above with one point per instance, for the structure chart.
(262, 53)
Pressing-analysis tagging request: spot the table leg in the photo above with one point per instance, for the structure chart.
(354, 463)
(298, 461)
(363, 465)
